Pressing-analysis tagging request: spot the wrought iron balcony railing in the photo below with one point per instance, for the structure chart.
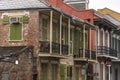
(103, 50)
(65, 49)
(93, 55)
(45, 48)
(55, 48)
(87, 54)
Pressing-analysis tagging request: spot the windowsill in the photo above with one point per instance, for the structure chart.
(15, 40)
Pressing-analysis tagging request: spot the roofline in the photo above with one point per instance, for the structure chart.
(106, 21)
(51, 7)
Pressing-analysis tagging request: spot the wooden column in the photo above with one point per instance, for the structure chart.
(60, 34)
(51, 25)
(84, 40)
(69, 36)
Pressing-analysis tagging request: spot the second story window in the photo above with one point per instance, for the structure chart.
(64, 35)
(107, 39)
(76, 41)
(55, 32)
(101, 37)
(44, 28)
(15, 31)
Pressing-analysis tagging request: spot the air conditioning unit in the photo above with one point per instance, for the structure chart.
(15, 20)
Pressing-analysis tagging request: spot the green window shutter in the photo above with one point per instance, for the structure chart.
(44, 29)
(81, 40)
(66, 35)
(5, 20)
(76, 41)
(15, 31)
(54, 71)
(54, 32)
(25, 19)
(77, 73)
(69, 72)
(62, 71)
(44, 71)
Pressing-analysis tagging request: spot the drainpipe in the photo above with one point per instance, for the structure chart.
(51, 20)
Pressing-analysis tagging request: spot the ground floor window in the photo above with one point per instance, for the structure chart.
(77, 73)
(62, 71)
(116, 74)
(54, 72)
(44, 71)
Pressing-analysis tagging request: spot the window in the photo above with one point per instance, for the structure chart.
(76, 41)
(15, 31)
(77, 73)
(65, 35)
(54, 72)
(101, 37)
(55, 32)
(69, 72)
(44, 29)
(44, 71)
(62, 71)
(71, 41)
(116, 74)
(107, 38)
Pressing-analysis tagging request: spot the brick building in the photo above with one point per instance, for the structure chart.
(39, 41)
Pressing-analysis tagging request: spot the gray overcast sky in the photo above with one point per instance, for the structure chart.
(99, 4)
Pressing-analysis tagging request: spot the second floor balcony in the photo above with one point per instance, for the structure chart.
(85, 54)
(45, 49)
(106, 52)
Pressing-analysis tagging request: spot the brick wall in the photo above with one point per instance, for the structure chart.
(30, 32)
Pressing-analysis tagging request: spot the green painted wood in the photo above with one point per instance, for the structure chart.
(5, 20)
(44, 29)
(62, 71)
(15, 31)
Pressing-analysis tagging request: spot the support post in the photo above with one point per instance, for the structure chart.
(51, 25)
(60, 34)
(69, 36)
(84, 41)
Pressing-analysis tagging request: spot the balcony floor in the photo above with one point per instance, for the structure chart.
(107, 56)
(53, 55)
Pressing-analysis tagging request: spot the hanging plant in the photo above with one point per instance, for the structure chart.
(5, 20)
(25, 19)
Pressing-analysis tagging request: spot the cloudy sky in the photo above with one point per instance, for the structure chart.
(99, 4)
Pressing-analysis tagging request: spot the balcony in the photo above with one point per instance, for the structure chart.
(90, 55)
(93, 55)
(106, 52)
(45, 48)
